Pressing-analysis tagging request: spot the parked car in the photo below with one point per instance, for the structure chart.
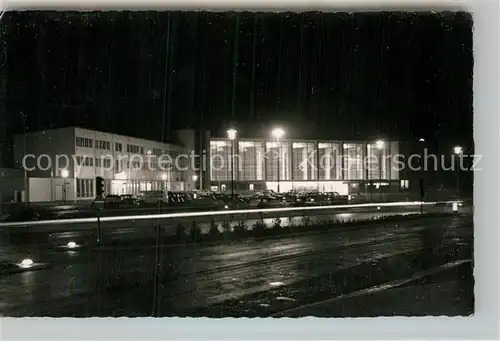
(128, 200)
(112, 202)
(154, 197)
(356, 198)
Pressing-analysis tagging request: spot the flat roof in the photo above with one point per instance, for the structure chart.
(298, 140)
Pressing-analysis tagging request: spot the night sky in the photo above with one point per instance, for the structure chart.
(321, 75)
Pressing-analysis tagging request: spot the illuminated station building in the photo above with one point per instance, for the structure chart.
(284, 165)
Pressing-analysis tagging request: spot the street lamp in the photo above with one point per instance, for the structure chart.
(64, 175)
(231, 135)
(421, 149)
(422, 169)
(278, 133)
(458, 150)
(164, 179)
(369, 176)
(380, 146)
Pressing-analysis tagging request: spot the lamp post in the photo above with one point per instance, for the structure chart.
(164, 179)
(169, 177)
(64, 175)
(458, 150)
(195, 179)
(421, 142)
(51, 186)
(278, 133)
(367, 171)
(231, 135)
(380, 146)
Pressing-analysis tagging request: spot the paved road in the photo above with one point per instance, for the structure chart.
(26, 239)
(120, 281)
(51, 213)
(446, 291)
(135, 228)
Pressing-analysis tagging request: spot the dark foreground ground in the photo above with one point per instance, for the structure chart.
(420, 267)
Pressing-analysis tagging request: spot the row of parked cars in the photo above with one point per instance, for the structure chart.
(202, 200)
(298, 199)
(224, 200)
(160, 198)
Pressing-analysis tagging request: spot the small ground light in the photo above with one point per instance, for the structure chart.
(378, 207)
(454, 207)
(276, 284)
(26, 263)
(72, 245)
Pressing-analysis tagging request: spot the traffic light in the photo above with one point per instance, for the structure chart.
(99, 185)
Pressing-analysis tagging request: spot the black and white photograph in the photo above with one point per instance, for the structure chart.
(237, 164)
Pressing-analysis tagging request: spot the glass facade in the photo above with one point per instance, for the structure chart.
(251, 160)
(392, 163)
(277, 158)
(379, 161)
(353, 161)
(330, 163)
(302, 161)
(220, 160)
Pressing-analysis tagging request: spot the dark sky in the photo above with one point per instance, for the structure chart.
(395, 75)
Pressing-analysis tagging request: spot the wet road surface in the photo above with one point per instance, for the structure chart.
(133, 230)
(199, 280)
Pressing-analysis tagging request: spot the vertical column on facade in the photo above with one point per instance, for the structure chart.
(259, 160)
(227, 166)
(292, 162)
(236, 162)
(366, 175)
(305, 162)
(388, 163)
(342, 161)
(265, 161)
(327, 164)
(288, 169)
(316, 153)
(382, 163)
(208, 166)
(336, 162)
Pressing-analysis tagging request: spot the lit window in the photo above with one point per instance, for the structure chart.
(405, 184)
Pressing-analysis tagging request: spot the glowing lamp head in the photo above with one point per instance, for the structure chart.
(457, 150)
(231, 134)
(278, 133)
(380, 144)
(72, 245)
(64, 173)
(26, 263)
(164, 176)
(195, 177)
(421, 139)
